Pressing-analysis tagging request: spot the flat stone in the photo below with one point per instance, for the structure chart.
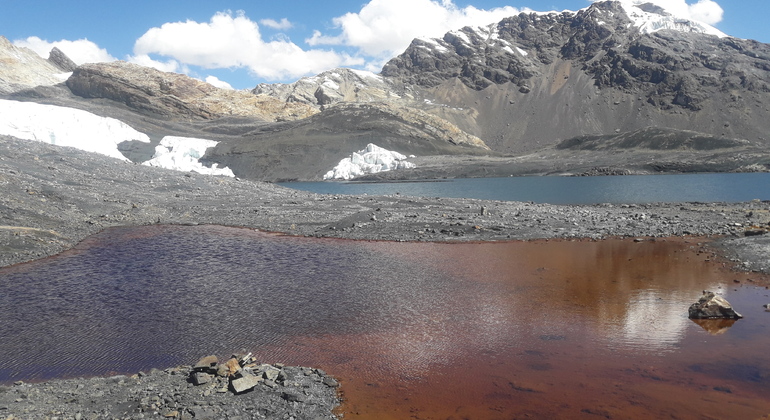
(206, 364)
(200, 378)
(246, 382)
(293, 396)
(269, 372)
(331, 382)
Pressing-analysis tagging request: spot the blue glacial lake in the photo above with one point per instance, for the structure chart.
(631, 189)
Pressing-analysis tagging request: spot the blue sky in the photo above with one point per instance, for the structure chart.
(244, 42)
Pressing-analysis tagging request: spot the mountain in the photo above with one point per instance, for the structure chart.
(534, 79)
(22, 68)
(502, 99)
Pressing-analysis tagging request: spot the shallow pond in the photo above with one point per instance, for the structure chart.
(546, 329)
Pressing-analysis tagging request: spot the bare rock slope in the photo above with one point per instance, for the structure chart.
(172, 95)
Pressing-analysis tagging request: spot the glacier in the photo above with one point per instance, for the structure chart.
(183, 154)
(370, 160)
(63, 126)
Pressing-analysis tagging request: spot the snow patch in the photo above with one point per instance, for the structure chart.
(64, 126)
(372, 159)
(183, 154)
(522, 52)
(649, 22)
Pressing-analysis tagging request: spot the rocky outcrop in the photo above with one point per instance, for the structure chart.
(61, 61)
(176, 96)
(333, 86)
(712, 306)
(22, 68)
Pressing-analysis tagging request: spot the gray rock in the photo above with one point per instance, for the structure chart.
(246, 382)
(712, 306)
(200, 378)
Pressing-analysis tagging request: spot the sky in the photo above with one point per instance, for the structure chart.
(241, 43)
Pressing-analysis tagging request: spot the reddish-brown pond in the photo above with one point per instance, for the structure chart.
(548, 329)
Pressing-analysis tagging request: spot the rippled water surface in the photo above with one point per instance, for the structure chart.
(495, 330)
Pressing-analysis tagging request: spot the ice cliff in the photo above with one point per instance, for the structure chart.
(370, 160)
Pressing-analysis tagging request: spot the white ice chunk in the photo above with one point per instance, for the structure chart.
(183, 154)
(372, 159)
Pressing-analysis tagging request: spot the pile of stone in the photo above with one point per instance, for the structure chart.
(241, 373)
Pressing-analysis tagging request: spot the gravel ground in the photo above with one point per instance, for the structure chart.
(54, 197)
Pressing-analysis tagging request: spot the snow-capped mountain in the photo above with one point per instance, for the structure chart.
(531, 79)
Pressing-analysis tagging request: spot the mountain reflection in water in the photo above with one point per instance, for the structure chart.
(547, 329)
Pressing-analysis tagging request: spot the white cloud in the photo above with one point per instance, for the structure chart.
(147, 61)
(234, 41)
(706, 11)
(214, 81)
(279, 25)
(80, 51)
(384, 28)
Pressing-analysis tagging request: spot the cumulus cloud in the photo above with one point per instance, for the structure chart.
(283, 24)
(214, 81)
(80, 51)
(234, 41)
(384, 28)
(706, 11)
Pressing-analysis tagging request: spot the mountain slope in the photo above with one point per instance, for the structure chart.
(534, 79)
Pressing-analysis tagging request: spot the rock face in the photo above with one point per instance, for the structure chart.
(22, 68)
(712, 306)
(544, 77)
(61, 61)
(176, 96)
(333, 86)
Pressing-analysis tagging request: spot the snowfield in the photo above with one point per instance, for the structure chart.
(64, 126)
(370, 160)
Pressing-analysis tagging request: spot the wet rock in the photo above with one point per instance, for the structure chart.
(712, 306)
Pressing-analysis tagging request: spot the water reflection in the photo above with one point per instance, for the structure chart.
(491, 330)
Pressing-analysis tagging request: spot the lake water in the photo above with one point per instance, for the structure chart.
(632, 189)
(545, 329)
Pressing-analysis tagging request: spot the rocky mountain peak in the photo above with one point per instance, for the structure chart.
(61, 61)
(332, 86)
(21, 68)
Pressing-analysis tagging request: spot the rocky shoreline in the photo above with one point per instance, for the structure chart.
(54, 197)
(285, 392)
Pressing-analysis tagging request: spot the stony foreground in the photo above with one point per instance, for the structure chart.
(299, 393)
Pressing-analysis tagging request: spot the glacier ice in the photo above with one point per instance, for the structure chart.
(370, 160)
(183, 154)
(63, 126)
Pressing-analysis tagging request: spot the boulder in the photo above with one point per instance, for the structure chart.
(712, 306)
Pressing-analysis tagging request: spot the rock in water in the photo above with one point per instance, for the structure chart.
(712, 306)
